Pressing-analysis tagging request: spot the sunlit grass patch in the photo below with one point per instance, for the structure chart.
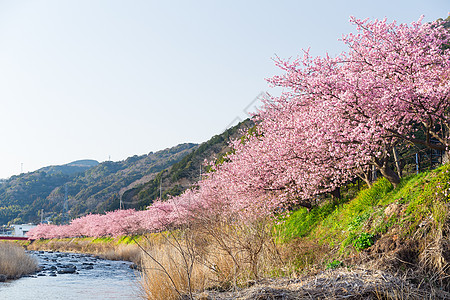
(374, 211)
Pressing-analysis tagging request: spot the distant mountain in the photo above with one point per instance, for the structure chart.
(99, 189)
(91, 186)
(19, 194)
(78, 166)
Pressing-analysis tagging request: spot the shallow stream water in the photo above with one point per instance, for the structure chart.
(69, 276)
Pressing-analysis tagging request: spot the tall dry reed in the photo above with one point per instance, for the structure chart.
(106, 249)
(206, 255)
(14, 262)
(168, 273)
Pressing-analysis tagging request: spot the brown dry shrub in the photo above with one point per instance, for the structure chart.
(130, 252)
(168, 272)
(14, 262)
(108, 250)
(213, 255)
(239, 251)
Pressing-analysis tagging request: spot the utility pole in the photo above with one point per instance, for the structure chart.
(417, 163)
(66, 208)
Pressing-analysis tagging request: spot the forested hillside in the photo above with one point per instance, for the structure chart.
(91, 187)
(183, 174)
(96, 188)
(74, 167)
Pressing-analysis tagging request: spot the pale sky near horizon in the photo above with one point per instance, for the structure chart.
(93, 79)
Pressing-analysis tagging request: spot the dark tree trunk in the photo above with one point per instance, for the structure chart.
(336, 193)
(390, 175)
(374, 174)
(305, 204)
(382, 164)
(300, 203)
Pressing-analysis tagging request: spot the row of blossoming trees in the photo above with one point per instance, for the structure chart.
(338, 118)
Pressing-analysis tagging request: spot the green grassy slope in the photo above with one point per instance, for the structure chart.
(379, 222)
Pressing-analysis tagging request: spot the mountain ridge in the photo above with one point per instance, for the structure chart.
(93, 187)
(89, 185)
(70, 168)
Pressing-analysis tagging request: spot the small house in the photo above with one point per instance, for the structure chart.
(21, 230)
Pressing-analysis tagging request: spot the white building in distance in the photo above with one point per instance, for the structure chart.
(21, 230)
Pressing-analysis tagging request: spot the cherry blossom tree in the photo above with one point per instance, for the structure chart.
(336, 119)
(393, 79)
(412, 69)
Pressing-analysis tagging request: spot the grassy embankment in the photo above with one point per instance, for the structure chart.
(14, 262)
(402, 228)
(402, 231)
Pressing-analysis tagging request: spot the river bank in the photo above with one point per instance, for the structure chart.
(75, 269)
(15, 262)
(77, 276)
(379, 242)
(124, 248)
(357, 282)
(343, 283)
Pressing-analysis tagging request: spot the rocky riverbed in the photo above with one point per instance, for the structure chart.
(74, 276)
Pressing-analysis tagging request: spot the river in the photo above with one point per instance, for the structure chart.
(68, 276)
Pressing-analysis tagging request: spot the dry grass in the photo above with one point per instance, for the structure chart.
(14, 262)
(164, 260)
(422, 257)
(333, 284)
(166, 274)
(227, 258)
(106, 249)
(207, 256)
(303, 256)
(130, 252)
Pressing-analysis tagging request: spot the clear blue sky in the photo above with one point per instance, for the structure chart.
(89, 79)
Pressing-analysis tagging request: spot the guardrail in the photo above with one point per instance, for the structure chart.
(13, 238)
